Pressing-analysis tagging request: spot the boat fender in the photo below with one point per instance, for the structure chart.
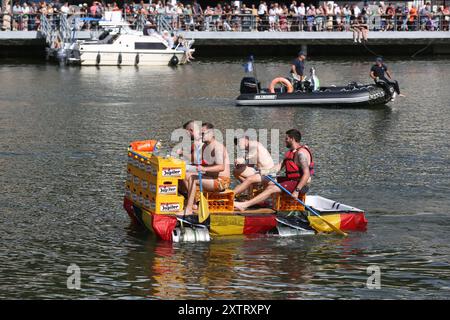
(283, 81)
(136, 60)
(119, 59)
(174, 61)
(98, 59)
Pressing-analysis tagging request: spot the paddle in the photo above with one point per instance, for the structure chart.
(307, 207)
(203, 210)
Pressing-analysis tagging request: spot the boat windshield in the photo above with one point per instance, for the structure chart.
(109, 39)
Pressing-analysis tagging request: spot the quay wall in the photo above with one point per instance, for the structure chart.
(216, 44)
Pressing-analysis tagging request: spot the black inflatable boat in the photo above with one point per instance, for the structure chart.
(351, 95)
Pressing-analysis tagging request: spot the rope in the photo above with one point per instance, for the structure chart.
(423, 49)
(416, 53)
(371, 51)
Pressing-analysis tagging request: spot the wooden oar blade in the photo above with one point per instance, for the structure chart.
(203, 212)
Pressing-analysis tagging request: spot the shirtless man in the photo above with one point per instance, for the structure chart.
(215, 169)
(257, 159)
(196, 133)
(299, 166)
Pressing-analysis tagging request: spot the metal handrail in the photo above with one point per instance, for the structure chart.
(64, 28)
(243, 22)
(162, 23)
(46, 29)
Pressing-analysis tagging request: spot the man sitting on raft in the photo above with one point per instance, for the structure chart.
(299, 167)
(196, 134)
(215, 169)
(257, 160)
(194, 130)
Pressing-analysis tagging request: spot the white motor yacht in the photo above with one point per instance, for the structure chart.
(118, 45)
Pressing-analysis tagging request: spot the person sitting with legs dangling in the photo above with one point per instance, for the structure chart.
(299, 167)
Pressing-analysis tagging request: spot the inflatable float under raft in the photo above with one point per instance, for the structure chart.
(152, 199)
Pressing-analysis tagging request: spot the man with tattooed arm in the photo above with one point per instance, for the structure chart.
(299, 167)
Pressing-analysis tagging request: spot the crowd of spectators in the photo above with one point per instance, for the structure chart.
(237, 16)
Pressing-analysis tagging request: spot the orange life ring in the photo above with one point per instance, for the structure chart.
(144, 145)
(283, 81)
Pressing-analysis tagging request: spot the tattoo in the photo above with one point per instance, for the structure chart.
(303, 161)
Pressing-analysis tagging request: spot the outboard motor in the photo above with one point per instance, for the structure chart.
(174, 61)
(250, 85)
(388, 89)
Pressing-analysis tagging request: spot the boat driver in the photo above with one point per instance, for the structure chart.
(379, 71)
(298, 67)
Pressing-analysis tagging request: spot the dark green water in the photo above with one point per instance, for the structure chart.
(63, 137)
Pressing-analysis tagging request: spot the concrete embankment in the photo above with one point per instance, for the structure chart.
(319, 43)
(26, 43)
(212, 44)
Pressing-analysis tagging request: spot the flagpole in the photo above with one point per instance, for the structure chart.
(254, 73)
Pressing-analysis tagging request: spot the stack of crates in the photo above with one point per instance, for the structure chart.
(152, 182)
(284, 202)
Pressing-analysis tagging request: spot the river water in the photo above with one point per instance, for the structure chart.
(63, 139)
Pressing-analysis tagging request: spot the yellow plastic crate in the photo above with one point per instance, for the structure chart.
(165, 188)
(128, 190)
(284, 202)
(140, 169)
(167, 205)
(137, 195)
(219, 201)
(167, 168)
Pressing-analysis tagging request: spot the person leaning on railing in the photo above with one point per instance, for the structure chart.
(360, 27)
(446, 20)
(6, 23)
(226, 18)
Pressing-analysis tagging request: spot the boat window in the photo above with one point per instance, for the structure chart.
(113, 38)
(103, 35)
(149, 45)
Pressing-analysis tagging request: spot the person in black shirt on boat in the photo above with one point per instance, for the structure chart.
(298, 67)
(379, 71)
(297, 71)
